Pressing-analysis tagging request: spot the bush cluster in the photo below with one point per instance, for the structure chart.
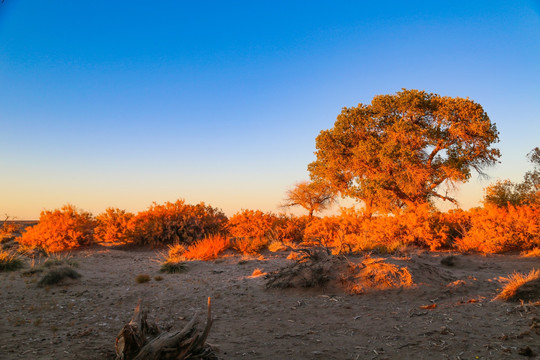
(176, 222)
(202, 232)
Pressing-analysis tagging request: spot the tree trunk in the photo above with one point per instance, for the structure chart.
(141, 340)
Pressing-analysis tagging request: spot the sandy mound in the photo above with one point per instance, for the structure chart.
(375, 273)
(317, 268)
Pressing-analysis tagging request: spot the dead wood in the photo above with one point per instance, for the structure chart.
(140, 340)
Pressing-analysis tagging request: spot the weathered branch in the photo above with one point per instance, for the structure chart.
(140, 340)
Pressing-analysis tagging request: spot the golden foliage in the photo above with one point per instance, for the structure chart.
(496, 230)
(250, 224)
(352, 232)
(61, 229)
(400, 149)
(112, 226)
(176, 222)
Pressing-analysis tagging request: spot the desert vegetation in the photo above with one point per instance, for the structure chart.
(395, 156)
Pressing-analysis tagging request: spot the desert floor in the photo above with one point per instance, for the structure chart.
(81, 318)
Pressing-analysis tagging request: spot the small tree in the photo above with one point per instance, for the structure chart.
(399, 150)
(313, 197)
(506, 192)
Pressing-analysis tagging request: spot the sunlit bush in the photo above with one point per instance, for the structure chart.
(250, 246)
(288, 228)
(352, 232)
(58, 230)
(176, 222)
(252, 230)
(496, 230)
(251, 224)
(112, 226)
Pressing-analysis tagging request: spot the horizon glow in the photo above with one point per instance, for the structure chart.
(120, 104)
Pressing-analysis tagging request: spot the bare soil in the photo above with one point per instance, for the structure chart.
(449, 313)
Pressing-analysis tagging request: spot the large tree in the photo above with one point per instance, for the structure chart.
(398, 151)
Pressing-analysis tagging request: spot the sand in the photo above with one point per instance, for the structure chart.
(449, 314)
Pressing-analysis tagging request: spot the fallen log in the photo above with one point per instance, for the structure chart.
(140, 339)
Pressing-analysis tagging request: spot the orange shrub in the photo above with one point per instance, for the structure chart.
(326, 231)
(175, 223)
(251, 224)
(352, 232)
(60, 230)
(250, 246)
(251, 230)
(112, 226)
(289, 229)
(496, 230)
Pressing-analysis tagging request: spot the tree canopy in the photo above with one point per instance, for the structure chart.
(397, 151)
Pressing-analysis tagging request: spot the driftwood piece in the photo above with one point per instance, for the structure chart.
(140, 340)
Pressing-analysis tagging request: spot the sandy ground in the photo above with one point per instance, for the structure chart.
(80, 319)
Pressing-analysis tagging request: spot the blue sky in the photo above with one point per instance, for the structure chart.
(117, 103)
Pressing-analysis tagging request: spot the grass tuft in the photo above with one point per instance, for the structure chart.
(10, 261)
(517, 288)
(531, 253)
(173, 267)
(57, 275)
(142, 278)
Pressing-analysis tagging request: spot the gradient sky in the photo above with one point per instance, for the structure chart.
(121, 103)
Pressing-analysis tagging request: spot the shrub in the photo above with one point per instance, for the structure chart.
(251, 224)
(10, 261)
(497, 230)
(175, 223)
(326, 231)
(59, 230)
(112, 226)
(55, 276)
(288, 229)
(9, 229)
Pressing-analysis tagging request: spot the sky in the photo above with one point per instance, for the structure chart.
(123, 103)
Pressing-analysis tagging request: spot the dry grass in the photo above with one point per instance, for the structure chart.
(207, 249)
(55, 276)
(531, 253)
(10, 261)
(373, 273)
(173, 267)
(516, 286)
(142, 278)
(250, 246)
(276, 246)
(258, 273)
